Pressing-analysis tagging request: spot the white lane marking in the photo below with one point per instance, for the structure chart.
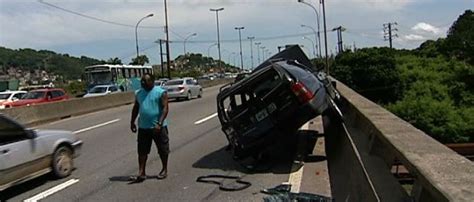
(205, 119)
(51, 191)
(96, 126)
(297, 176)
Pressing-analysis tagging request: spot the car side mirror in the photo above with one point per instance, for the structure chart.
(15, 99)
(30, 134)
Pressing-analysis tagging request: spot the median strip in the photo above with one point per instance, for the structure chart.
(96, 126)
(51, 191)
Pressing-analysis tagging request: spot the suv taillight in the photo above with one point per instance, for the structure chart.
(303, 94)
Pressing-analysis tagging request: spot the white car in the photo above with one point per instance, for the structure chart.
(186, 88)
(8, 97)
(26, 154)
(102, 90)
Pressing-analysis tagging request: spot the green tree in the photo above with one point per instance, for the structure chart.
(370, 71)
(460, 39)
(140, 60)
(114, 61)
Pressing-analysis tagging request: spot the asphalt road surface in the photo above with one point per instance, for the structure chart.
(109, 157)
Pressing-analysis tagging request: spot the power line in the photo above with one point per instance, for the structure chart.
(257, 38)
(102, 20)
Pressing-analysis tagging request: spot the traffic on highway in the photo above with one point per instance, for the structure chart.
(283, 96)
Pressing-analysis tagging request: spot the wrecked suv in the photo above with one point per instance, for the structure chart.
(272, 102)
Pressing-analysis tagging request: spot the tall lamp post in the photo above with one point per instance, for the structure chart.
(186, 39)
(312, 43)
(325, 32)
(316, 38)
(240, 41)
(258, 51)
(263, 53)
(218, 37)
(209, 49)
(136, 31)
(251, 38)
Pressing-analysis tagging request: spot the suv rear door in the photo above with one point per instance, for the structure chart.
(256, 106)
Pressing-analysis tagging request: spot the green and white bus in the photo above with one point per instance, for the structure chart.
(125, 77)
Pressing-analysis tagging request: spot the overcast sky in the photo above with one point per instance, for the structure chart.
(105, 28)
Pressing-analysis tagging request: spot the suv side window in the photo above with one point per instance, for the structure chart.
(268, 81)
(10, 131)
(113, 88)
(189, 82)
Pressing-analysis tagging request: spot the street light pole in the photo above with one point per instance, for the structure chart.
(263, 53)
(136, 31)
(209, 49)
(312, 43)
(325, 32)
(218, 37)
(251, 38)
(316, 37)
(258, 51)
(240, 42)
(325, 36)
(186, 39)
(317, 18)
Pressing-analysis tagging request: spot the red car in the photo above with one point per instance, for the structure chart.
(41, 96)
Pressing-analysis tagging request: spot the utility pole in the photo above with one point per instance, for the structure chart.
(161, 57)
(258, 51)
(251, 38)
(161, 41)
(168, 57)
(340, 46)
(388, 28)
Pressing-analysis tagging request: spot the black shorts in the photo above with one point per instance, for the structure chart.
(145, 136)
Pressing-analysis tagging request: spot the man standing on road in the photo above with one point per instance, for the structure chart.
(151, 103)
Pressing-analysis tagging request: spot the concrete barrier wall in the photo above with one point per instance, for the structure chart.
(362, 150)
(41, 113)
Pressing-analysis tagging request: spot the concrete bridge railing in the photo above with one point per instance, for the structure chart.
(362, 151)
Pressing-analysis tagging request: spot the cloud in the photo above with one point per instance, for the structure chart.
(423, 27)
(414, 37)
(375, 4)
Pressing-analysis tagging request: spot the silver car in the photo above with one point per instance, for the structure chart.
(186, 88)
(26, 154)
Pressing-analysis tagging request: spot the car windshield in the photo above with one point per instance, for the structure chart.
(4, 96)
(98, 90)
(34, 95)
(174, 82)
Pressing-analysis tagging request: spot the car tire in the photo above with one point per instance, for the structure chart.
(62, 164)
(188, 97)
(200, 93)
